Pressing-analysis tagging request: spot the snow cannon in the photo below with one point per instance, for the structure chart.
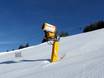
(49, 28)
(50, 34)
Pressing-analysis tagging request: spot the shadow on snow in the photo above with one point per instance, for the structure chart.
(20, 61)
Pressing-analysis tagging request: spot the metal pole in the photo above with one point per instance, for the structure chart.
(55, 49)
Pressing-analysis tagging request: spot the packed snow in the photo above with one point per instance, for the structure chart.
(83, 58)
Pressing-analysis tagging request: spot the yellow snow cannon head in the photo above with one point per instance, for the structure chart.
(50, 30)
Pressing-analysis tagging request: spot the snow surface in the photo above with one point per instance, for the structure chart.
(84, 58)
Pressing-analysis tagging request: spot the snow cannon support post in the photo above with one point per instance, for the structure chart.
(51, 35)
(55, 48)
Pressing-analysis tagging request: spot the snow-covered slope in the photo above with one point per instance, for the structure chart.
(84, 56)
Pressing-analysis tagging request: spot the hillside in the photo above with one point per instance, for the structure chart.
(84, 56)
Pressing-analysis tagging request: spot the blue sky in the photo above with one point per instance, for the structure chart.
(21, 20)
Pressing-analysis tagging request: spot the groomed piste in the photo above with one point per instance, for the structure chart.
(83, 58)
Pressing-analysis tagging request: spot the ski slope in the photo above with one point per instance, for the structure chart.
(84, 58)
